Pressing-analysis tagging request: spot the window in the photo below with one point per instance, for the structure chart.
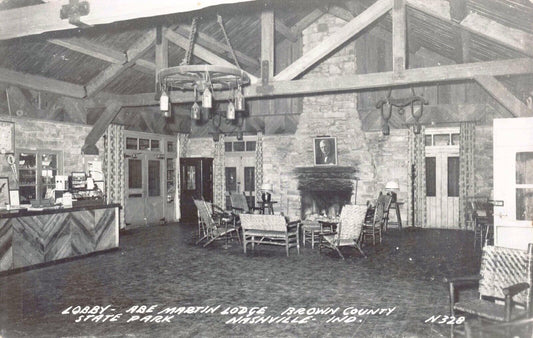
(37, 171)
(453, 176)
(524, 186)
(431, 178)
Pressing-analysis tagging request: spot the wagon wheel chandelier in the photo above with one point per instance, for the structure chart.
(205, 79)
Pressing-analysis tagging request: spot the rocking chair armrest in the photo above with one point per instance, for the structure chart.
(238, 209)
(512, 290)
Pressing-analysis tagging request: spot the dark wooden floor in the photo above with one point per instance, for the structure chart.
(162, 266)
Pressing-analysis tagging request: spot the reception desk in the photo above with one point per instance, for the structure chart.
(31, 237)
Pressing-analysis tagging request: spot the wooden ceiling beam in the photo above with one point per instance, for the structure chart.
(42, 18)
(340, 13)
(510, 37)
(287, 32)
(201, 52)
(133, 53)
(161, 55)
(208, 42)
(307, 20)
(356, 25)
(104, 53)
(399, 37)
(357, 82)
(99, 128)
(267, 45)
(501, 94)
(41, 83)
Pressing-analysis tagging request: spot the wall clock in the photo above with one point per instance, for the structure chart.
(7, 137)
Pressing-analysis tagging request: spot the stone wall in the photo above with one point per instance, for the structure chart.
(32, 134)
(483, 160)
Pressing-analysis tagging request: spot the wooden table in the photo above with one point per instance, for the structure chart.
(267, 205)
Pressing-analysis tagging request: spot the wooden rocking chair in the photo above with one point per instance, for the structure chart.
(349, 230)
(506, 275)
(374, 227)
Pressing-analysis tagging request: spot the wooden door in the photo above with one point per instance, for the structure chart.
(196, 182)
(145, 201)
(442, 178)
(513, 182)
(240, 177)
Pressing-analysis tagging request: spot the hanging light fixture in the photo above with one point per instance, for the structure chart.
(208, 79)
(164, 102)
(239, 99)
(230, 113)
(401, 103)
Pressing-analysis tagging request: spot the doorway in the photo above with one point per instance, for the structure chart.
(442, 177)
(240, 169)
(144, 195)
(513, 182)
(196, 183)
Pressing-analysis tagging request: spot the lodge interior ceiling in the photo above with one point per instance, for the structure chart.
(490, 41)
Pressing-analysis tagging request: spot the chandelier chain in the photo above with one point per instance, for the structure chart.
(192, 36)
(221, 23)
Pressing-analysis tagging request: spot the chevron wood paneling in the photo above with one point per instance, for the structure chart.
(35, 239)
(6, 248)
(28, 247)
(82, 232)
(104, 229)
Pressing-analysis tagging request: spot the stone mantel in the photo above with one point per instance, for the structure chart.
(326, 178)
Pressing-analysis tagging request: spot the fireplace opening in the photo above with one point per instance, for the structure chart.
(325, 190)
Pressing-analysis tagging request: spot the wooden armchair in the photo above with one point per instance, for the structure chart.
(349, 230)
(239, 204)
(213, 225)
(373, 226)
(506, 275)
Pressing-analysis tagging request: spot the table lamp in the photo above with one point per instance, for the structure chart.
(392, 187)
(266, 190)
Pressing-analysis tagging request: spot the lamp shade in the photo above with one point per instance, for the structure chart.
(230, 113)
(392, 185)
(266, 187)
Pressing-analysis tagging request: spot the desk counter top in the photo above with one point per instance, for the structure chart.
(30, 211)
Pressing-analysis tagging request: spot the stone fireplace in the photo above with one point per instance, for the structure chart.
(325, 189)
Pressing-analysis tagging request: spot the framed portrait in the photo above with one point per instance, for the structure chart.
(325, 150)
(4, 192)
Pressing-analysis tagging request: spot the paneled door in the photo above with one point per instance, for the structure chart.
(513, 182)
(145, 201)
(196, 183)
(442, 178)
(240, 176)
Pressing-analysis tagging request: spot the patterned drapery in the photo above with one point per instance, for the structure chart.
(219, 176)
(417, 179)
(258, 166)
(113, 167)
(467, 179)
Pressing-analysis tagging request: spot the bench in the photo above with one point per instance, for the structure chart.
(270, 229)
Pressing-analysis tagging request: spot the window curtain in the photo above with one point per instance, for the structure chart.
(417, 179)
(218, 173)
(113, 167)
(258, 166)
(467, 178)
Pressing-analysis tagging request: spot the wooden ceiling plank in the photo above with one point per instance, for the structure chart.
(206, 40)
(42, 18)
(501, 94)
(399, 37)
(88, 48)
(359, 82)
(510, 37)
(285, 31)
(99, 128)
(356, 25)
(111, 72)
(201, 52)
(41, 83)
